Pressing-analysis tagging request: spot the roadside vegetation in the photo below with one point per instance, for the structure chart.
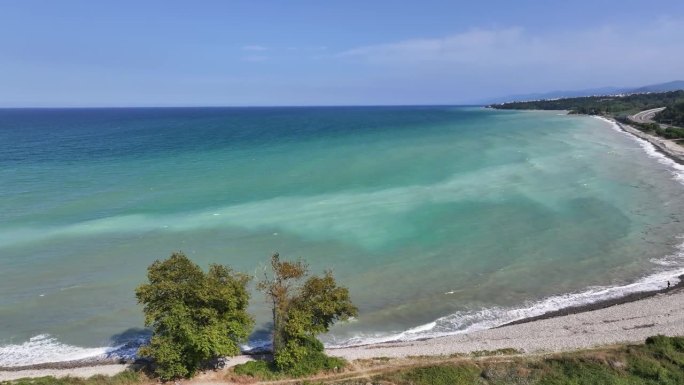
(675, 133)
(660, 361)
(619, 107)
(673, 115)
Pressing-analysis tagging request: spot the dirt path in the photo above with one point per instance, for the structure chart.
(363, 370)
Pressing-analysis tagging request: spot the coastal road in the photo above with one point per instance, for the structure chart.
(646, 116)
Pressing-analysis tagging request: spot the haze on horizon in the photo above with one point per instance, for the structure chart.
(243, 53)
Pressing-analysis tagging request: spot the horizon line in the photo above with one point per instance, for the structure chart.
(245, 106)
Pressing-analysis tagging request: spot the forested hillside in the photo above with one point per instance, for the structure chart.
(601, 105)
(619, 107)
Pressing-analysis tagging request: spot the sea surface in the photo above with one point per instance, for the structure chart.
(440, 220)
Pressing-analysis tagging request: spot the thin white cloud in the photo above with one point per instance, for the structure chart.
(307, 48)
(255, 58)
(256, 48)
(455, 47)
(633, 46)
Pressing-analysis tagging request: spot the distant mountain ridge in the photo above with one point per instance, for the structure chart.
(660, 87)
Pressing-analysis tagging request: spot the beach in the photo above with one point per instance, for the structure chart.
(631, 322)
(666, 146)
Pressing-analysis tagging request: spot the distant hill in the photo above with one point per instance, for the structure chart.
(556, 95)
(620, 107)
(661, 87)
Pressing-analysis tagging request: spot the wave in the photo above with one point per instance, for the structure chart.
(44, 348)
(487, 318)
(650, 150)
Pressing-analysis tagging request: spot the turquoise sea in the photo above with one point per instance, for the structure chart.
(439, 219)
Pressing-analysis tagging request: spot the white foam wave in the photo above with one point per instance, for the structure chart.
(45, 349)
(676, 168)
(471, 321)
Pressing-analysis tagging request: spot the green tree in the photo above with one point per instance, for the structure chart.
(194, 316)
(301, 311)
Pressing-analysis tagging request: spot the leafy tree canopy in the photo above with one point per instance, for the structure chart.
(303, 307)
(195, 316)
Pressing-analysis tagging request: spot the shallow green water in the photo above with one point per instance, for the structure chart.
(439, 219)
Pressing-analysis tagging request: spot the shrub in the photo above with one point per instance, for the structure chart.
(262, 370)
(436, 375)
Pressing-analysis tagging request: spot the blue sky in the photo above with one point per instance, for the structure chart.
(194, 53)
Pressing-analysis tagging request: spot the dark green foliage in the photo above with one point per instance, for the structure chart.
(262, 370)
(605, 105)
(301, 311)
(435, 375)
(314, 361)
(498, 352)
(444, 375)
(654, 128)
(195, 316)
(670, 132)
(582, 371)
(619, 107)
(673, 115)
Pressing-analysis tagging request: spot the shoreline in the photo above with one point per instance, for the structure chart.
(602, 304)
(629, 322)
(526, 334)
(566, 311)
(665, 146)
(629, 319)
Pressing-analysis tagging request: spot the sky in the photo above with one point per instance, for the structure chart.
(264, 53)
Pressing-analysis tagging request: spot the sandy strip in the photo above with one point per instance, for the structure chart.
(628, 322)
